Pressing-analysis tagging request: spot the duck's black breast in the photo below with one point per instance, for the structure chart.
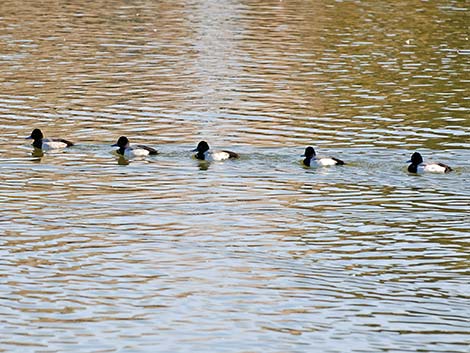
(121, 151)
(413, 168)
(200, 155)
(37, 143)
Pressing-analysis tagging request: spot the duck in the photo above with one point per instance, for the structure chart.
(127, 151)
(46, 144)
(204, 153)
(312, 160)
(417, 165)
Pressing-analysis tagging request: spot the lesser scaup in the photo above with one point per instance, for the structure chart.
(46, 144)
(205, 154)
(312, 160)
(127, 151)
(417, 165)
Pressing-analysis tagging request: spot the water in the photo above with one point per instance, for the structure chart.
(255, 255)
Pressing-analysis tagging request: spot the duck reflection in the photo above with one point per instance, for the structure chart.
(203, 165)
(123, 160)
(37, 153)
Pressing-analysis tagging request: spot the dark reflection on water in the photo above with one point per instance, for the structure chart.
(260, 254)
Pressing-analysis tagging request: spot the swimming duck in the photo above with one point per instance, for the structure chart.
(46, 144)
(312, 160)
(417, 165)
(205, 154)
(127, 151)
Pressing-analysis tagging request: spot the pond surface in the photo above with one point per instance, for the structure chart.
(260, 254)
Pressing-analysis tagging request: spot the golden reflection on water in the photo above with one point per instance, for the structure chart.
(289, 64)
(101, 253)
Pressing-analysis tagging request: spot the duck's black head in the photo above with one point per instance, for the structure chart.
(202, 147)
(309, 152)
(122, 142)
(416, 158)
(36, 135)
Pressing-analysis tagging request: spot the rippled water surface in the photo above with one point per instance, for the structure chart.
(260, 254)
